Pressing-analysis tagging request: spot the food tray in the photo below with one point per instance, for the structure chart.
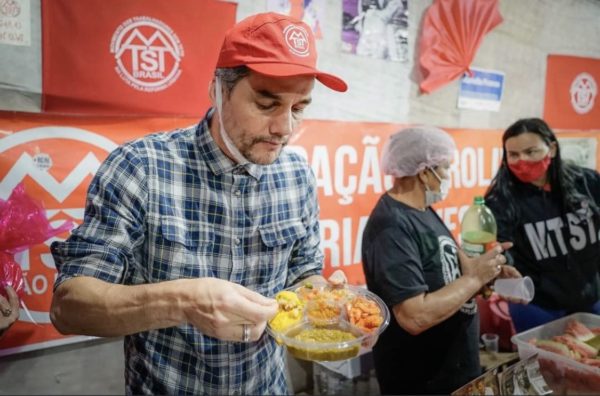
(351, 315)
(562, 374)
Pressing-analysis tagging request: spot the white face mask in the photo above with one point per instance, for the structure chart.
(237, 156)
(432, 197)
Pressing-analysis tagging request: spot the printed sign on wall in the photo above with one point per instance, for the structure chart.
(15, 26)
(571, 100)
(134, 57)
(376, 29)
(481, 90)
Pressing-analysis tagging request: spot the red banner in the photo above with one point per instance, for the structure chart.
(571, 100)
(131, 57)
(33, 151)
(345, 157)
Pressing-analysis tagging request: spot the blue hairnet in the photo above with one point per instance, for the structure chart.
(410, 150)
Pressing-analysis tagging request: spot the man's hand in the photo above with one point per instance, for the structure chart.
(338, 279)
(220, 309)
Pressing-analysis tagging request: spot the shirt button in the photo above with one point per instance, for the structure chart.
(238, 241)
(237, 192)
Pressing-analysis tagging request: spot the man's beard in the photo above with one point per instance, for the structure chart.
(266, 158)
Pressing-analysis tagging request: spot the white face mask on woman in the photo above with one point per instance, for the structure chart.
(432, 197)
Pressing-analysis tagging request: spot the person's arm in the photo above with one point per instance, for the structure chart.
(99, 257)
(9, 309)
(218, 308)
(426, 310)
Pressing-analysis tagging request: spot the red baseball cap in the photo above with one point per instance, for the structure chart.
(275, 45)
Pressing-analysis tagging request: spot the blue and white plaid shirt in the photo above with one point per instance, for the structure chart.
(171, 206)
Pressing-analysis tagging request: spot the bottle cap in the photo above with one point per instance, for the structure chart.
(478, 200)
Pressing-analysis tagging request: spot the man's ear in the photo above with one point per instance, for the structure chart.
(211, 91)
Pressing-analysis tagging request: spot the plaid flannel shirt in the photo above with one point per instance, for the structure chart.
(171, 206)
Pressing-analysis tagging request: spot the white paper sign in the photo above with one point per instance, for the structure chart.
(15, 28)
(482, 90)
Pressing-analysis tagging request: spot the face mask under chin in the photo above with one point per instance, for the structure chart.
(237, 156)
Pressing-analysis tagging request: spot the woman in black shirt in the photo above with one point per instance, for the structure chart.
(548, 208)
(411, 260)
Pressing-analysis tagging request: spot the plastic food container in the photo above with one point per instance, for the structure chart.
(563, 375)
(334, 324)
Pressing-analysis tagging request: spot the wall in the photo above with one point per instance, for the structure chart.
(531, 30)
(518, 47)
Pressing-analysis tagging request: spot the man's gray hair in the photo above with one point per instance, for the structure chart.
(230, 76)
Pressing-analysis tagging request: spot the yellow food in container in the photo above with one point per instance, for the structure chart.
(324, 345)
(290, 311)
(324, 335)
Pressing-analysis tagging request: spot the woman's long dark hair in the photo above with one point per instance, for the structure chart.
(562, 176)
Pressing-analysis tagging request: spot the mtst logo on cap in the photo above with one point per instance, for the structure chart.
(275, 45)
(297, 40)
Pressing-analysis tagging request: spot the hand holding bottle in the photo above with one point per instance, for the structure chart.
(487, 266)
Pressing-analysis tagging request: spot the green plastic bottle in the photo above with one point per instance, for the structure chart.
(478, 232)
(478, 228)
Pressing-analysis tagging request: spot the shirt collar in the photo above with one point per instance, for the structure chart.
(218, 162)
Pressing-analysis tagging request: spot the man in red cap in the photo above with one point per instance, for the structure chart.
(187, 236)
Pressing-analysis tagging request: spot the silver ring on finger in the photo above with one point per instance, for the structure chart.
(245, 333)
(499, 267)
(6, 312)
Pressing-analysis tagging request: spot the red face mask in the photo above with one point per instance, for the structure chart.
(530, 171)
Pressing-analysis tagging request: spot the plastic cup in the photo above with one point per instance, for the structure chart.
(517, 288)
(490, 341)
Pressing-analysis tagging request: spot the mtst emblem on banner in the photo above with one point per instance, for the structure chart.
(583, 93)
(147, 53)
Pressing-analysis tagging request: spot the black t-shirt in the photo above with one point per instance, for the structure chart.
(407, 252)
(559, 251)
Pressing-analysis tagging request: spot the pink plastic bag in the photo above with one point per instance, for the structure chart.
(23, 223)
(10, 275)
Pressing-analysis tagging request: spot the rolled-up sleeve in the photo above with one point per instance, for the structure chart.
(105, 244)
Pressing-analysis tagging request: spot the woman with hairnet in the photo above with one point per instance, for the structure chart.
(412, 262)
